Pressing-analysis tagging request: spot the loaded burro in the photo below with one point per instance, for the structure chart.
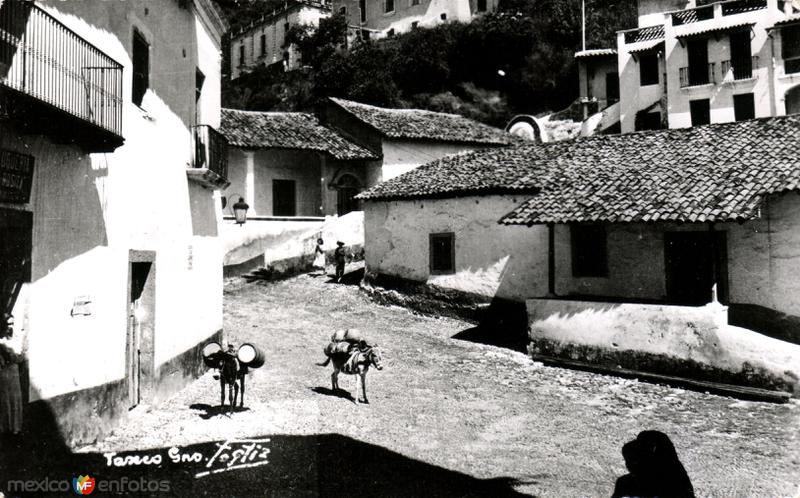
(352, 354)
(349, 350)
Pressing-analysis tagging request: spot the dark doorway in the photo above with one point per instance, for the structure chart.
(700, 111)
(793, 100)
(139, 363)
(744, 106)
(283, 198)
(612, 87)
(347, 188)
(15, 255)
(694, 262)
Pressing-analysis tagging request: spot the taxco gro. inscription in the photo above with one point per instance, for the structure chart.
(227, 456)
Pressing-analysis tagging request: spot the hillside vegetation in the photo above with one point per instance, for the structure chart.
(516, 60)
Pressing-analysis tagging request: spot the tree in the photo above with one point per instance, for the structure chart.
(519, 59)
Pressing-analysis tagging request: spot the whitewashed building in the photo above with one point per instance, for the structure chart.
(380, 18)
(263, 42)
(109, 204)
(582, 227)
(407, 138)
(689, 63)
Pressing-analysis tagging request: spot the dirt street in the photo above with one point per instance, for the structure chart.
(477, 419)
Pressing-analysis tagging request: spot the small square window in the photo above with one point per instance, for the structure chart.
(343, 10)
(414, 2)
(414, 24)
(443, 16)
(648, 121)
(589, 253)
(442, 253)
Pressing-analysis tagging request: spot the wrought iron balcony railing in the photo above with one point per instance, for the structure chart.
(691, 76)
(210, 152)
(741, 6)
(740, 69)
(42, 58)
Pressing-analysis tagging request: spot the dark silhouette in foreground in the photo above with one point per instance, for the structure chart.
(654, 469)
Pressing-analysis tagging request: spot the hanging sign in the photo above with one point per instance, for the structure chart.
(16, 177)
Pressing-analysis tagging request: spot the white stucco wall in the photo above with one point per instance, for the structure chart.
(766, 256)
(313, 173)
(763, 258)
(592, 78)
(490, 259)
(89, 210)
(402, 156)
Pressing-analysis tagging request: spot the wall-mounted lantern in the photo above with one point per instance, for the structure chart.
(240, 211)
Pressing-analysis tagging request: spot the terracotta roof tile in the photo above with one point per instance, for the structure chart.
(717, 172)
(425, 125)
(286, 130)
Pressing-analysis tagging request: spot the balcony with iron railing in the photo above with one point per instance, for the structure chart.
(716, 9)
(54, 82)
(696, 76)
(209, 165)
(739, 69)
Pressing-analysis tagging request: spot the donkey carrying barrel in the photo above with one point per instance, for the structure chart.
(233, 366)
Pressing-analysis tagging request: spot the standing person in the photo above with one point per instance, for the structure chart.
(340, 257)
(319, 257)
(10, 387)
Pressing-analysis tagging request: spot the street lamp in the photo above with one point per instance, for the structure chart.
(240, 211)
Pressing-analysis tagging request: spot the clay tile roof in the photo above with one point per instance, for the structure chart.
(286, 130)
(719, 172)
(791, 20)
(596, 52)
(712, 29)
(425, 125)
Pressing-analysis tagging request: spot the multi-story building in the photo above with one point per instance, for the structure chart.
(687, 64)
(386, 17)
(110, 170)
(263, 42)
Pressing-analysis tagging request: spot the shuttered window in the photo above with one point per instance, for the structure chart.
(141, 68)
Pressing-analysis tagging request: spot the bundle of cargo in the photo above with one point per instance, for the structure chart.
(345, 342)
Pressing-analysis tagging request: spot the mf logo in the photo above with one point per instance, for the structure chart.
(83, 485)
